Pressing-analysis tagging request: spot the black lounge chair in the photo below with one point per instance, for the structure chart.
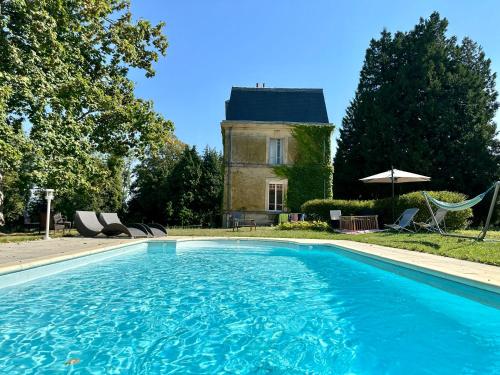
(111, 218)
(87, 224)
(156, 230)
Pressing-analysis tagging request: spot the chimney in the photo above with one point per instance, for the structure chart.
(263, 85)
(257, 85)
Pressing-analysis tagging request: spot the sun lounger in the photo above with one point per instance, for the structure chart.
(156, 230)
(404, 222)
(88, 225)
(110, 218)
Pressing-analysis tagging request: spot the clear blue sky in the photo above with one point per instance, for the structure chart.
(216, 44)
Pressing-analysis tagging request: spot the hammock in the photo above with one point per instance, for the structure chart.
(463, 206)
(460, 206)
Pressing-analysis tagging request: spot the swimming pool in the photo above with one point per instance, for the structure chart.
(242, 307)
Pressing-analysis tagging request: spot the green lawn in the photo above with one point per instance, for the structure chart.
(484, 252)
(20, 237)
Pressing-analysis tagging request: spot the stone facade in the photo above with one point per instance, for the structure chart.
(248, 171)
(257, 136)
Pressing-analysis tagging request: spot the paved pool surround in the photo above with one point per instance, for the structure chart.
(16, 257)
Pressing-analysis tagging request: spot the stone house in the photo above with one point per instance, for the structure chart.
(257, 137)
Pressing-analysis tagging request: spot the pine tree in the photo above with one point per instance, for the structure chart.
(210, 187)
(183, 187)
(424, 103)
(150, 194)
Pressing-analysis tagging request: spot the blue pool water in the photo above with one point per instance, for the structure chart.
(242, 308)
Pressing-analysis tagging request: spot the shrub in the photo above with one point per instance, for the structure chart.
(320, 208)
(453, 220)
(305, 225)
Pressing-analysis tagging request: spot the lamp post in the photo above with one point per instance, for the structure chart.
(392, 199)
(49, 194)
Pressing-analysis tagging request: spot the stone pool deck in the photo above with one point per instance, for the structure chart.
(17, 256)
(25, 255)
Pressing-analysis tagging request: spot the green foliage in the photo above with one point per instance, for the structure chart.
(310, 175)
(320, 208)
(106, 195)
(64, 78)
(424, 103)
(454, 220)
(150, 194)
(178, 186)
(14, 196)
(305, 225)
(183, 186)
(210, 188)
(13, 142)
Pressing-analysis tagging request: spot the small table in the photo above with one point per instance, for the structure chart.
(357, 223)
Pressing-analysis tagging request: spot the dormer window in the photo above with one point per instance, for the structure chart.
(275, 151)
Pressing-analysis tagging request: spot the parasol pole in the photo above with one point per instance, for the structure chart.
(392, 183)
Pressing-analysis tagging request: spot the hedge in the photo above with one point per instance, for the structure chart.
(305, 225)
(320, 208)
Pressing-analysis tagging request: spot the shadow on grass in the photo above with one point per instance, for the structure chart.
(425, 243)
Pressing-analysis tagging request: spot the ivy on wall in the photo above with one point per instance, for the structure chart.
(310, 175)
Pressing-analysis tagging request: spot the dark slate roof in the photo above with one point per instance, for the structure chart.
(276, 104)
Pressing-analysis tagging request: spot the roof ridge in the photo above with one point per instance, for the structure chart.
(275, 88)
(277, 104)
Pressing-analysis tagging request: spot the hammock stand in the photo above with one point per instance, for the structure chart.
(462, 206)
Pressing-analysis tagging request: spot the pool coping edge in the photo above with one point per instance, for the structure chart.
(345, 245)
(23, 266)
(359, 248)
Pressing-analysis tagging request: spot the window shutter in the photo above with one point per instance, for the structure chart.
(279, 151)
(272, 151)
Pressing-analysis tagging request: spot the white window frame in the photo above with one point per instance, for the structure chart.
(283, 183)
(279, 157)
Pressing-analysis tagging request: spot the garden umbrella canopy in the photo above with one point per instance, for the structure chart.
(394, 176)
(399, 177)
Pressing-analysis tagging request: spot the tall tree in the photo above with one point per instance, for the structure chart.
(63, 76)
(210, 187)
(178, 186)
(13, 144)
(183, 188)
(424, 103)
(150, 192)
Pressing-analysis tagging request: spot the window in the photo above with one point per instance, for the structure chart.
(275, 197)
(275, 151)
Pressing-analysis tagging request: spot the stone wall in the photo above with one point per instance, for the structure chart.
(247, 171)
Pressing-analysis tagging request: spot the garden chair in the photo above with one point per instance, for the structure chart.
(404, 222)
(60, 222)
(432, 226)
(335, 218)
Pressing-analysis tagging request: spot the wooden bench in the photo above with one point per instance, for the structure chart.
(239, 223)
